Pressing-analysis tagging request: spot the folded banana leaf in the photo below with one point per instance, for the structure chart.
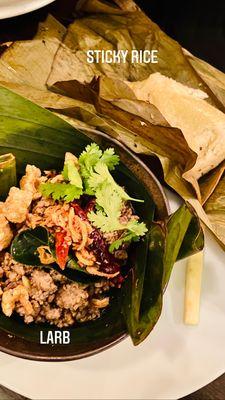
(176, 157)
(29, 62)
(29, 129)
(215, 209)
(35, 135)
(7, 174)
(214, 78)
(115, 27)
(143, 290)
(106, 30)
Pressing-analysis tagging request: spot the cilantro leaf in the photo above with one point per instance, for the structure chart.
(128, 237)
(109, 200)
(60, 191)
(101, 175)
(103, 222)
(110, 159)
(135, 229)
(109, 205)
(90, 157)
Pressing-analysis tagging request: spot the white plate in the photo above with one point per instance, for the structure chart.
(11, 8)
(173, 362)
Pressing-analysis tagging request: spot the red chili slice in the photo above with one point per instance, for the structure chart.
(62, 249)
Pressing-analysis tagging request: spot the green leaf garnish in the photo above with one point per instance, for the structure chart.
(60, 191)
(126, 238)
(25, 244)
(102, 175)
(110, 159)
(90, 157)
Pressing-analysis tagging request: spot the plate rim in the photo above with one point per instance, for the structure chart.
(13, 10)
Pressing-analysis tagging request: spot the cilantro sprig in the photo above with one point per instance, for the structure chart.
(60, 191)
(66, 191)
(90, 174)
(88, 160)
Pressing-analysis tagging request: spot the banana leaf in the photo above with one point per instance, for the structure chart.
(7, 174)
(35, 135)
(27, 129)
(21, 61)
(214, 78)
(143, 136)
(144, 289)
(209, 182)
(112, 27)
(111, 30)
(215, 209)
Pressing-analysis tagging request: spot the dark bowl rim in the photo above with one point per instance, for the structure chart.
(23, 354)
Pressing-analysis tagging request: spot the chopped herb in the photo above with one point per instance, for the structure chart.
(102, 175)
(61, 191)
(90, 157)
(127, 237)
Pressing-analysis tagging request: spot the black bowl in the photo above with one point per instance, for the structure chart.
(87, 339)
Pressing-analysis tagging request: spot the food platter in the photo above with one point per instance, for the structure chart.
(173, 362)
(77, 256)
(11, 8)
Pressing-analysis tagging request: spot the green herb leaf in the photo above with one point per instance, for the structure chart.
(110, 159)
(110, 202)
(102, 175)
(60, 191)
(127, 237)
(90, 157)
(103, 222)
(25, 244)
(137, 228)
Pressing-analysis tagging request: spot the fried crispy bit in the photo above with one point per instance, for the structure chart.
(11, 296)
(6, 234)
(31, 180)
(16, 206)
(85, 257)
(95, 271)
(101, 303)
(45, 255)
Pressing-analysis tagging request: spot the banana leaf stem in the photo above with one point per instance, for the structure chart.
(7, 174)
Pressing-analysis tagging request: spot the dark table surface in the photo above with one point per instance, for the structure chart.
(203, 33)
